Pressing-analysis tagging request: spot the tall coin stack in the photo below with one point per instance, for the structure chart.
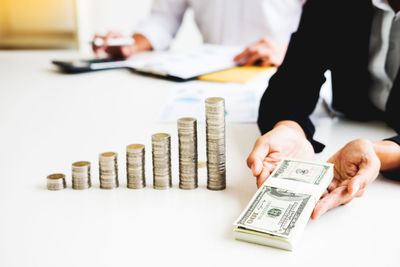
(215, 136)
(161, 145)
(187, 134)
(56, 181)
(81, 175)
(135, 162)
(108, 168)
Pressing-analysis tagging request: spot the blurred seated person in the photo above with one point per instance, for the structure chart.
(263, 26)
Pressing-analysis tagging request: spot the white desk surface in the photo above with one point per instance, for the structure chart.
(49, 120)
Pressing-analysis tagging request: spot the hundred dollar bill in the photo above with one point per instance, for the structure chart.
(302, 171)
(302, 176)
(278, 212)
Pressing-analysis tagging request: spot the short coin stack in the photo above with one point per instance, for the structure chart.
(135, 162)
(187, 134)
(161, 150)
(56, 181)
(81, 175)
(108, 170)
(215, 135)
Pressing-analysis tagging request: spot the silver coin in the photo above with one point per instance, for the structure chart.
(161, 157)
(215, 140)
(108, 170)
(56, 181)
(81, 175)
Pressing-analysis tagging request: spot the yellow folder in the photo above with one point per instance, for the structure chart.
(237, 74)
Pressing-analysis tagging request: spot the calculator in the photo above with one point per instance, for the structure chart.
(87, 65)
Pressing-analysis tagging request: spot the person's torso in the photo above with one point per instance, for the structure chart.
(351, 48)
(241, 22)
(384, 59)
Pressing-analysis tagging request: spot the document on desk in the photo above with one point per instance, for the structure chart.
(279, 211)
(187, 100)
(188, 64)
(178, 65)
(241, 74)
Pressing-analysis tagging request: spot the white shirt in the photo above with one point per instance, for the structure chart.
(384, 52)
(227, 22)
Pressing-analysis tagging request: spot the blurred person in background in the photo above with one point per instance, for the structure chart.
(263, 26)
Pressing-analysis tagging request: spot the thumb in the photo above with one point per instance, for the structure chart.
(127, 51)
(257, 156)
(365, 175)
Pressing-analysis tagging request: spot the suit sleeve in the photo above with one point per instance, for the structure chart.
(393, 175)
(163, 23)
(293, 91)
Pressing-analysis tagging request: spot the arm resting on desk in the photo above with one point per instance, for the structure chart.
(388, 152)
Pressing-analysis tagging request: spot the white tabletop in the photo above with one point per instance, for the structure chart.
(49, 120)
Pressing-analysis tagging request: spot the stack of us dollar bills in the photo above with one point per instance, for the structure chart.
(279, 211)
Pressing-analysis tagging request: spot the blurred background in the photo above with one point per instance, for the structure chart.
(71, 24)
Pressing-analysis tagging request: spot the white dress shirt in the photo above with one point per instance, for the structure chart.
(227, 22)
(384, 52)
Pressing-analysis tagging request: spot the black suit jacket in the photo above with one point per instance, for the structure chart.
(332, 35)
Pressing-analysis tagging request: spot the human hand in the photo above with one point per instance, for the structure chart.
(287, 139)
(356, 165)
(265, 52)
(124, 51)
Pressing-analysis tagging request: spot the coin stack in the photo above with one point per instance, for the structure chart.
(135, 162)
(215, 135)
(81, 175)
(56, 181)
(161, 145)
(187, 134)
(108, 170)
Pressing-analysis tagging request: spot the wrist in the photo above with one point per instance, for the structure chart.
(141, 43)
(292, 125)
(388, 153)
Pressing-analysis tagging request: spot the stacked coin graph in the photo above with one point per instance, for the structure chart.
(161, 158)
(135, 166)
(161, 151)
(81, 175)
(108, 170)
(187, 135)
(215, 136)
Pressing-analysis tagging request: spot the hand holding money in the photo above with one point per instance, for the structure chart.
(115, 45)
(287, 139)
(356, 166)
